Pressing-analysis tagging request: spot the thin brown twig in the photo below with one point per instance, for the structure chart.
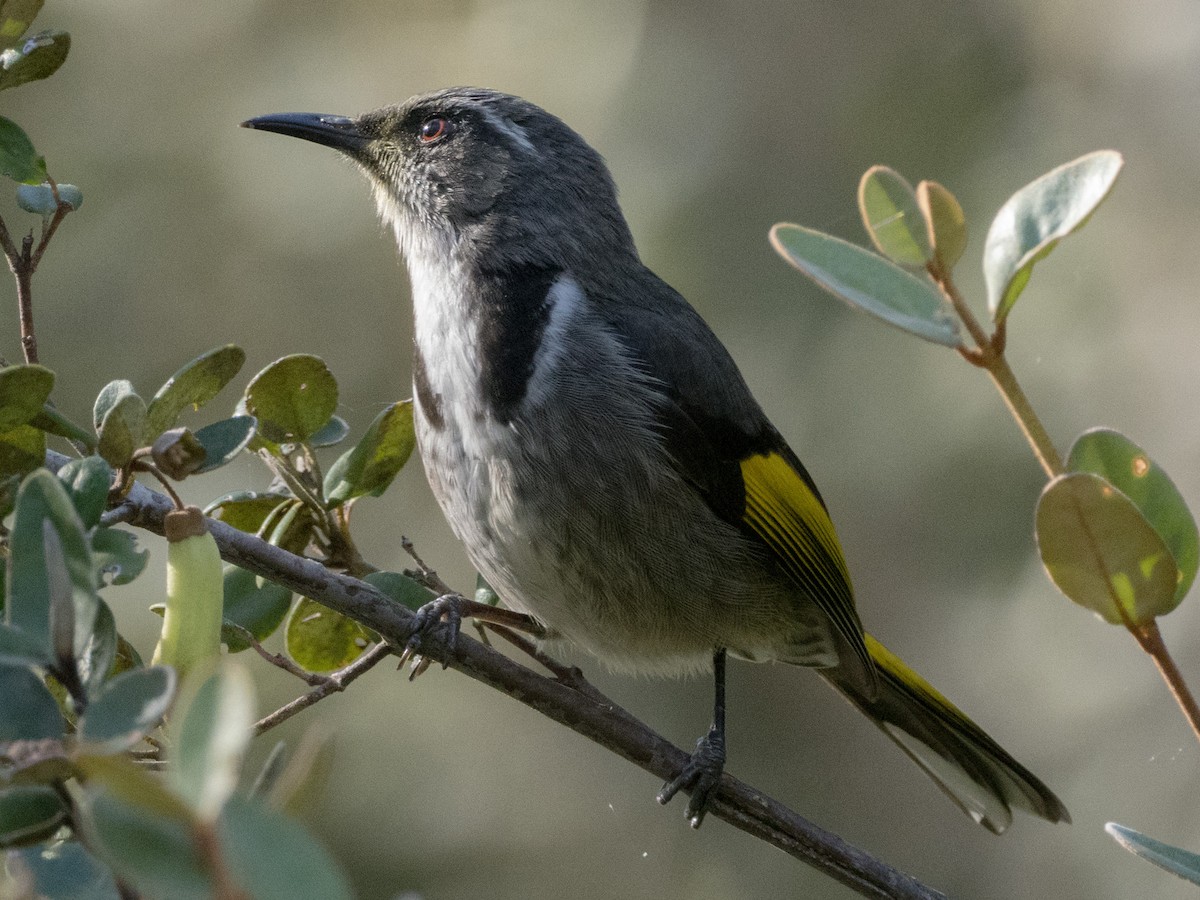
(1150, 639)
(330, 685)
(313, 679)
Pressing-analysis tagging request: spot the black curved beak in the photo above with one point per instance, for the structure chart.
(338, 132)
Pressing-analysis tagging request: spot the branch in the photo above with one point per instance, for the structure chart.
(588, 713)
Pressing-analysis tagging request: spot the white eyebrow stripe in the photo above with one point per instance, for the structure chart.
(511, 129)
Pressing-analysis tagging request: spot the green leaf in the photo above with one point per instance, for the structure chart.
(369, 468)
(274, 858)
(18, 648)
(193, 385)
(252, 603)
(298, 788)
(128, 708)
(893, 219)
(947, 223)
(15, 18)
(65, 871)
(133, 784)
(42, 498)
(1102, 553)
(322, 640)
(868, 282)
(37, 57)
(224, 440)
(1175, 860)
(333, 432)
(22, 449)
(52, 421)
(159, 857)
(18, 160)
(246, 510)
(97, 649)
(121, 414)
(1126, 466)
(402, 589)
(29, 712)
(484, 592)
(211, 732)
(116, 553)
(23, 390)
(87, 481)
(1034, 219)
(293, 398)
(29, 814)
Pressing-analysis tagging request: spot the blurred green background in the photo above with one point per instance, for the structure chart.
(718, 119)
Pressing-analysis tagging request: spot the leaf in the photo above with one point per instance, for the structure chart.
(274, 858)
(66, 871)
(193, 385)
(333, 432)
(1034, 219)
(322, 640)
(128, 708)
(117, 555)
(122, 427)
(22, 449)
(97, 649)
(252, 603)
(224, 440)
(374, 462)
(157, 856)
(23, 391)
(87, 481)
(947, 224)
(52, 421)
(892, 217)
(1126, 466)
(1175, 860)
(1102, 553)
(42, 497)
(298, 788)
(212, 730)
(15, 18)
(29, 814)
(402, 589)
(18, 160)
(293, 398)
(29, 712)
(868, 282)
(134, 785)
(484, 592)
(246, 510)
(39, 56)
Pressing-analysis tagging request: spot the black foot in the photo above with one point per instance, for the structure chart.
(441, 616)
(700, 776)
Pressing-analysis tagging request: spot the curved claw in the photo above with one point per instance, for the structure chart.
(441, 614)
(701, 775)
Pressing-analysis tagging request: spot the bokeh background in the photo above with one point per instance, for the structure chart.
(718, 119)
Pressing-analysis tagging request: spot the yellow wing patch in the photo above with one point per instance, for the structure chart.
(789, 517)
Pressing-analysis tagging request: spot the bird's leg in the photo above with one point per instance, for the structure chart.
(445, 614)
(702, 773)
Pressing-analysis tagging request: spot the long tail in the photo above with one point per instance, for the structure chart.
(976, 772)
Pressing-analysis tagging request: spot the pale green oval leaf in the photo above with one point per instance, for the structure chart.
(22, 449)
(224, 440)
(128, 708)
(893, 219)
(1101, 552)
(122, 430)
(37, 56)
(1175, 860)
(368, 468)
(321, 640)
(947, 223)
(212, 730)
(18, 160)
(192, 386)
(1034, 219)
(293, 398)
(868, 282)
(333, 432)
(29, 814)
(404, 590)
(274, 858)
(1125, 465)
(246, 510)
(23, 391)
(252, 603)
(88, 481)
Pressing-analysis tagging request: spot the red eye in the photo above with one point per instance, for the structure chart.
(434, 129)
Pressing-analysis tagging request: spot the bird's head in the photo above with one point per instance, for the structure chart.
(474, 174)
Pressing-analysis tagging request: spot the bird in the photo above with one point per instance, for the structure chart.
(594, 446)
